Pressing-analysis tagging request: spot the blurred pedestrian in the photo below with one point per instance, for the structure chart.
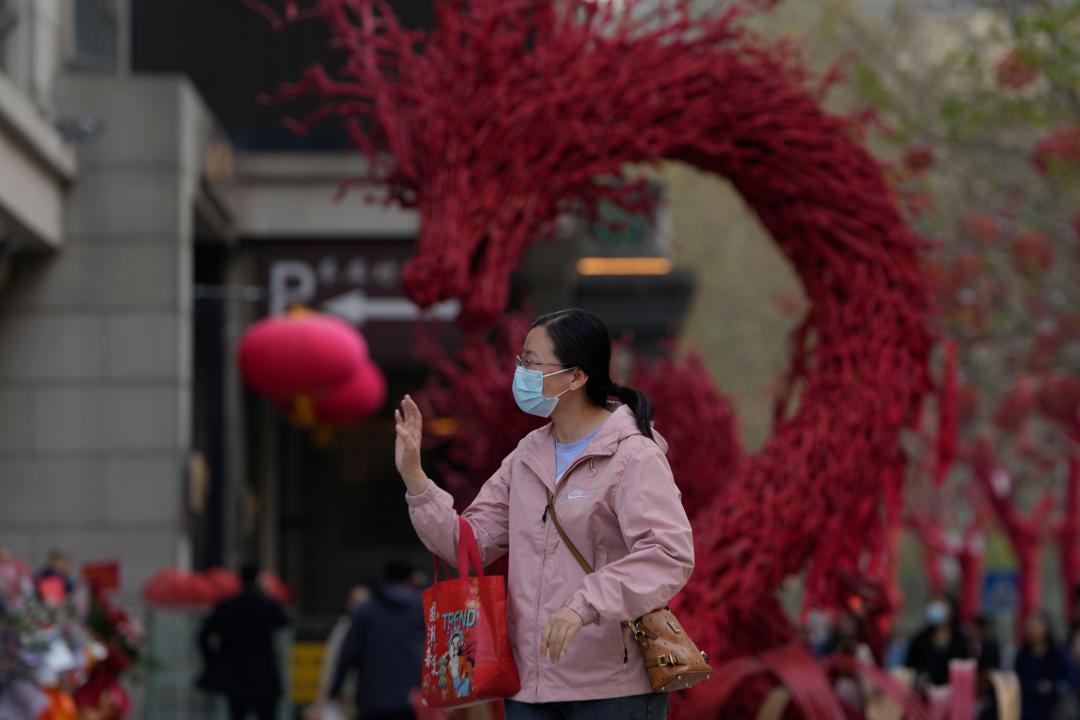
(1047, 680)
(420, 579)
(237, 642)
(896, 647)
(984, 645)
(385, 646)
(846, 641)
(940, 641)
(334, 643)
(987, 654)
(58, 565)
(818, 633)
(1073, 640)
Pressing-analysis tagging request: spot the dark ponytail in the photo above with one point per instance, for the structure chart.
(638, 402)
(581, 340)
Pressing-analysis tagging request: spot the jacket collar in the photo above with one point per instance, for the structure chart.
(538, 448)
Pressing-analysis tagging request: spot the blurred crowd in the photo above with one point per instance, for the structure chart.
(1033, 677)
(65, 645)
(371, 662)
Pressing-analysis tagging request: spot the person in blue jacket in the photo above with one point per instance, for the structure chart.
(385, 646)
(1045, 672)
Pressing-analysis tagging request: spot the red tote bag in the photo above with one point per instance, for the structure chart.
(467, 655)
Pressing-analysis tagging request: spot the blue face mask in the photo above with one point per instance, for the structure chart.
(937, 613)
(529, 392)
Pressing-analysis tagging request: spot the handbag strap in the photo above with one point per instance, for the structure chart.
(468, 550)
(562, 533)
(633, 625)
(468, 553)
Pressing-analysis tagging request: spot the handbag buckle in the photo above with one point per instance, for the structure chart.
(667, 660)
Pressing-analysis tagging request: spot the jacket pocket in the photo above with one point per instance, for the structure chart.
(620, 651)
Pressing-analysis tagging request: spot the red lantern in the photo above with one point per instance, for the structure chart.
(201, 591)
(275, 587)
(163, 588)
(226, 583)
(299, 353)
(172, 588)
(357, 399)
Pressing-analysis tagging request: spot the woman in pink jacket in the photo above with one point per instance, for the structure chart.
(616, 500)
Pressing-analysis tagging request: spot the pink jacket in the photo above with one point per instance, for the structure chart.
(619, 504)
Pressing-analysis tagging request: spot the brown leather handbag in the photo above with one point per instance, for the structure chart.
(672, 659)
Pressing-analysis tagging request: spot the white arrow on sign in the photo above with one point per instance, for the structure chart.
(357, 308)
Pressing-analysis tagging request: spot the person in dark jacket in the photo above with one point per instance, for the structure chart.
(385, 647)
(940, 642)
(984, 645)
(987, 653)
(1043, 668)
(237, 641)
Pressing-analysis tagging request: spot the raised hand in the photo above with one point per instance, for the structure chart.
(409, 425)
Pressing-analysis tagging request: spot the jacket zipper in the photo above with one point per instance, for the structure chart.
(539, 595)
(581, 461)
(543, 560)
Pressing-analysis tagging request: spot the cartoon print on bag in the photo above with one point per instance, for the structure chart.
(460, 665)
(455, 666)
(450, 652)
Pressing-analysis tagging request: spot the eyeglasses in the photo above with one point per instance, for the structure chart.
(530, 364)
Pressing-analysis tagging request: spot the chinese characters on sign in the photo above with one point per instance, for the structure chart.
(359, 282)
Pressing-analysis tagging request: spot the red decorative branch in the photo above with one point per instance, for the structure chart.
(1026, 534)
(514, 111)
(948, 418)
(971, 556)
(935, 548)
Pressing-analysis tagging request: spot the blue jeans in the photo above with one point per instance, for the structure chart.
(633, 707)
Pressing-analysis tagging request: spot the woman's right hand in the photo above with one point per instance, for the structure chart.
(409, 425)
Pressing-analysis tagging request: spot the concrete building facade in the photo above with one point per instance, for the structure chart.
(95, 320)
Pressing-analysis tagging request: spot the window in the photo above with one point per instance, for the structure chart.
(95, 33)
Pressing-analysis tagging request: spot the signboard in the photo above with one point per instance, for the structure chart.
(359, 282)
(1001, 592)
(102, 575)
(306, 668)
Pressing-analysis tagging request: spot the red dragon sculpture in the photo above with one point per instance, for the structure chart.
(512, 112)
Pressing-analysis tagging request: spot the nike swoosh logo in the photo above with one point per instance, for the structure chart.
(576, 495)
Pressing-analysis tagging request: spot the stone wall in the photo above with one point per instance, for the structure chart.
(95, 341)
